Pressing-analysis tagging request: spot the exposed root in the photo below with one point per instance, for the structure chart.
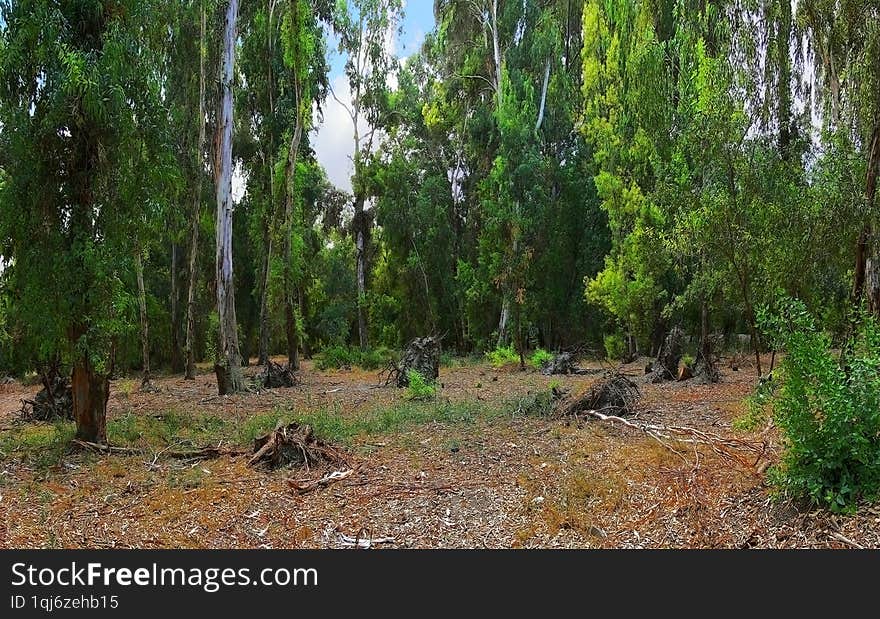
(295, 445)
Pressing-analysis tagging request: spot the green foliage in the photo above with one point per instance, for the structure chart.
(539, 358)
(339, 357)
(336, 358)
(829, 412)
(419, 388)
(759, 406)
(615, 346)
(42, 446)
(503, 355)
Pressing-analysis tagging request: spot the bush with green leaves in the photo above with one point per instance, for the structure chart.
(338, 357)
(419, 388)
(829, 411)
(615, 346)
(503, 355)
(539, 358)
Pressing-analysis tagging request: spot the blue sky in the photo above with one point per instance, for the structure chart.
(333, 140)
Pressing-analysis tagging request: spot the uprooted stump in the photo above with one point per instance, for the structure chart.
(666, 365)
(54, 401)
(615, 394)
(297, 446)
(562, 363)
(276, 376)
(421, 356)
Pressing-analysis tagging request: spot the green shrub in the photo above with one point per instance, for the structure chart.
(759, 407)
(539, 358)
(615, 346)
(503, 355)
(336, 358)
(829, 413)
(376, 358)
(339, 357)
(419, 388)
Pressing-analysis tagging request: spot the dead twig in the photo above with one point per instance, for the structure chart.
(106, 448)
(847, 541)
(728, 448)
(304, 486)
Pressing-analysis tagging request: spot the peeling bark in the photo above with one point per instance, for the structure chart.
(228, 367)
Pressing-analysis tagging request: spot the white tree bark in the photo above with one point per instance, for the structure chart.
(229, 362)
(543, 97)
(496, 48)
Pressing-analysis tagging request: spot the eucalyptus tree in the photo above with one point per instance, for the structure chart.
(845, 40)
(80, 107)
(364, 29)
(228, 363)
(284, 65)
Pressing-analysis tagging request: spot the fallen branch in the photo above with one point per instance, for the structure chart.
(847, 541)
(207, 453)
(728, 448)
(106, 448)
(364, 543)
(308, 485)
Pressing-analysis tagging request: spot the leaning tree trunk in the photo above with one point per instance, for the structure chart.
(228, 366)
(90, 393)
(145, 325)
(190, 373)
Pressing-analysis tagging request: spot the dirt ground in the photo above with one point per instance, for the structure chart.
(499, 480)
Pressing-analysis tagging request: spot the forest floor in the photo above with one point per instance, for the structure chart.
(475, 468)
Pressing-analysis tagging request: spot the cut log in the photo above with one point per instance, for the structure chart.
(615, 394)
(421, 356)
(666, 366)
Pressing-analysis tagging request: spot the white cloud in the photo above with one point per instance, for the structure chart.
(333, 140)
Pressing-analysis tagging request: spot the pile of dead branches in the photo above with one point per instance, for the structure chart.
(295, 445)
(615, 394)
(54, 401)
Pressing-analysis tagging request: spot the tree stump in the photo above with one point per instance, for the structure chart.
(666, 366)
(421, 356)
(276, 376)
(54, 401)
(615, 395)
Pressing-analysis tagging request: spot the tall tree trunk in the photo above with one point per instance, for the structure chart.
(290, 190)
(145, 326)
(196, 211)
(361, 246)
(176, 357)
(867, 271)
(269, 223)
(265, 330)
(228, 367)
(90, 393)
(502, 322)
(783, 52)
